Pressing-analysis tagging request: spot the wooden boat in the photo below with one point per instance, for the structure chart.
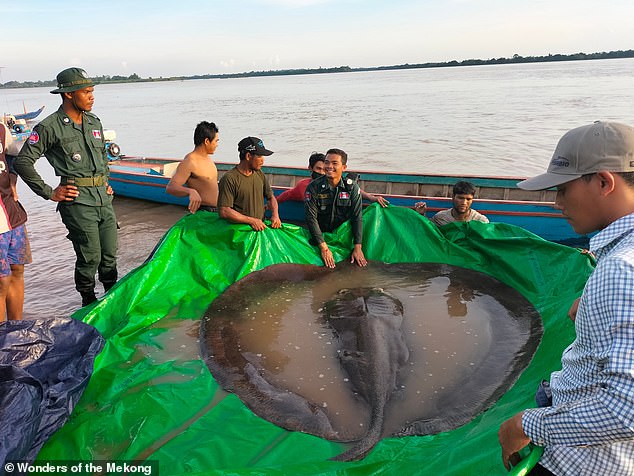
(19, 124)
(15, 124)
(497, 197)
(29, 116)
(19, 128)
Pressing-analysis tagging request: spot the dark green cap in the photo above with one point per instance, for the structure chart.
(72, 79)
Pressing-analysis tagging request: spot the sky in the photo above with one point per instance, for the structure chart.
(161, 38)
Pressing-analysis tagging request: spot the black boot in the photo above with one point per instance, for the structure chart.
(87, 297)
(107, 286)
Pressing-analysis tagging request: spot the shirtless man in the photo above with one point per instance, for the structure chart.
(196, 176)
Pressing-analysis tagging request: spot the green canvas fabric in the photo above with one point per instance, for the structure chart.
(149, 400)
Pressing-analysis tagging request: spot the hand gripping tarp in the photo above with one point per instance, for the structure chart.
(152, 398)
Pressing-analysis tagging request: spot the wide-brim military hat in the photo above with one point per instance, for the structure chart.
(72, 79)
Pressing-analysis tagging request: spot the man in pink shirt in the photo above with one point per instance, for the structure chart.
(316, 166)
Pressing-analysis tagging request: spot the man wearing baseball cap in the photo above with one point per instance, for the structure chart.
(589, 429)
(72, 140)
(242, 190)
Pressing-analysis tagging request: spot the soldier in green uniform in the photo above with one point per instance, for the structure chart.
(72, 140)
(331, 200)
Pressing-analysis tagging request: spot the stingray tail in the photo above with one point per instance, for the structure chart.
(363, 447)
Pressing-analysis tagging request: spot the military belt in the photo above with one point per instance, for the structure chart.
(96, 181)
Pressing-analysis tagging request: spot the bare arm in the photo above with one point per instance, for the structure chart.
(176, 185)
(275, 216)
(512, 440)
(358, 256)
(326, 255)
(572, 312)
(370, 197)
(233, 216)
(421, 207)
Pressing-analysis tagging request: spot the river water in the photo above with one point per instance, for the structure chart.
(496, 120)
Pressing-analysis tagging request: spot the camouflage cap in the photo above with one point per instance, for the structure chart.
(72, 79)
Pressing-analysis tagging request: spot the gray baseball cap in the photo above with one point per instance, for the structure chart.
(587, 149)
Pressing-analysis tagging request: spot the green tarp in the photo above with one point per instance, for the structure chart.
(152, 397)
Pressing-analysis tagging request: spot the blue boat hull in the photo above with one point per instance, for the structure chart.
(144, 179)
(29, 116)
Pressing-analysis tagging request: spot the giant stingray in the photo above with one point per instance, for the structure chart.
(372, 317)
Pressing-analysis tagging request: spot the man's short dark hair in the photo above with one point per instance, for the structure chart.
(314, 158)
(464, 188)
(340, 153)
(243, 154)
(628, 177)
(204, 130)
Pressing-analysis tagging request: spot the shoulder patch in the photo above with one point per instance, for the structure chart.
(34, 138)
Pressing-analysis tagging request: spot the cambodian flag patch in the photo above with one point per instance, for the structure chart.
(307, 197)
(34, 138)
(344, 195)
(96, 134)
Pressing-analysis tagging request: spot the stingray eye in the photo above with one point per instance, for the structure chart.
(343, 291)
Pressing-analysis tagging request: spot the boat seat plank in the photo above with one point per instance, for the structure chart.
(169, 169)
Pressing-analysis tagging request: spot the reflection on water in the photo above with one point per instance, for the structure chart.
(458, 295)
(454, 323)
(49, 287)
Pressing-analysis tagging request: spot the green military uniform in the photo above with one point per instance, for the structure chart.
(326, 208)
(77, 154)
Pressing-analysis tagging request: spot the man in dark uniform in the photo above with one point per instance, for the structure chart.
(331, 200)
(72, 140)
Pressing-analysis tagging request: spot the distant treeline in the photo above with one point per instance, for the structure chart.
(340, 69)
